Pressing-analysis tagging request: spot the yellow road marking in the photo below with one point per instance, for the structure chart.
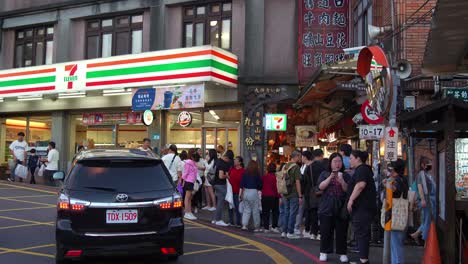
(25, 225)
(29, 208)
(29, 196)
(9, 250)
(238, 247)
(21, 201)
(28, 188)
(21, 220)
(194, 227)
(267, 250)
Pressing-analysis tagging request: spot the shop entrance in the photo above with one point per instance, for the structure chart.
(221, 138)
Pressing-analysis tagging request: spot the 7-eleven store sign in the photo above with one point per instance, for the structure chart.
(179, 66)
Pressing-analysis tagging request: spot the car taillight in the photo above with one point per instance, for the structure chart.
(169, 203)
(66, 203)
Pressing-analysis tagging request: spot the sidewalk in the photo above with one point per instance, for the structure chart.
(413, 254)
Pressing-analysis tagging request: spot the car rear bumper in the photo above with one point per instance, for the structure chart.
(115, 244)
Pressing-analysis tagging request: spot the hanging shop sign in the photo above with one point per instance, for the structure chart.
(391, 144)
(370, 115)
(111, 118)
(143, 99)
(373, 67)
(169, 97)
(372, 132)
(184, 119)
(323, 34)
(276, 122)
(306, 136)
(177, 66)
(457, 93)
(148, 117)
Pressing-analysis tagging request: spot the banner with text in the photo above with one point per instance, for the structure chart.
(323, 34)
(180, 97)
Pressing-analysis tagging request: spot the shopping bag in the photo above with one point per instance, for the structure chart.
(180, 189)
(40, 172)
(229, 195)
(21, 171)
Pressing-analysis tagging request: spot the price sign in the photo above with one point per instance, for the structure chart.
(276, 122)
(375, 132)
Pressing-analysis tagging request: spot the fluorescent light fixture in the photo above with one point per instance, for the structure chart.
(117, 92)
(169, 86)
(29, 97)
(71, 95)
(213, 113)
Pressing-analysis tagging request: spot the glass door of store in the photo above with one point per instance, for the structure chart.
(221, 138)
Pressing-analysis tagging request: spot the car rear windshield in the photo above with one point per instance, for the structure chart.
(119, 176)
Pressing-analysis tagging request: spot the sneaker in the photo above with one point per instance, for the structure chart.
(257, 230)
(297, 232)
(10, 180)
(244, 228)
(275, 230)
(266, 231)
(344, 259)
(318, 237)
(306, 234)
(206, 208)
(190, 216)
(313, 237)
(196, 210)
(283, 235)
(221, 223)
(293, 236)
(323, 257)
(212, 209)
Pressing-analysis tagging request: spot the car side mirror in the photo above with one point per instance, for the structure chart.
(59, 176)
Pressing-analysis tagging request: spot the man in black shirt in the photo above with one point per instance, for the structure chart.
(223, 166)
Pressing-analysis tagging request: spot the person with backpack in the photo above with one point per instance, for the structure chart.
(173, 164)
(33, 163)
(292, 196)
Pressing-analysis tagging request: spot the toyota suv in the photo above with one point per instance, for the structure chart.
(117, 203)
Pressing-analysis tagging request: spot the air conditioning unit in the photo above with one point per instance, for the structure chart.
(409, 103)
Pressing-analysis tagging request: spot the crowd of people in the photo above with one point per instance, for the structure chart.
(310, 197)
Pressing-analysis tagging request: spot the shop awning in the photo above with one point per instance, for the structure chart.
(324, 81)
(177, 66)
(447, 44)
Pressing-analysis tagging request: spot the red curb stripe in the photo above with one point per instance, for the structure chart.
(298, 249)
(26, 90)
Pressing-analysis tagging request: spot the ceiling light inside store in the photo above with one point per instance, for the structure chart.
(29, 98)
(213, 113)
(112, 92)
(169, 86)
(71, 95)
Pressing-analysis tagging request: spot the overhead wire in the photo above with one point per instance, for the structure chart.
(405, 27)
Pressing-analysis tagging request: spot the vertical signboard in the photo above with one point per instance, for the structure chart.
(391, 143)
(323, 34)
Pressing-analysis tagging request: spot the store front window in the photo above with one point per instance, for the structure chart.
(216, 129)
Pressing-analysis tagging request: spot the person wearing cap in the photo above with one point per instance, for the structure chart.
(19, 151)
(294, 197)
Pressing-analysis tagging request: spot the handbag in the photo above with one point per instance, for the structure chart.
(40, 172)
(400, 214)
(21, 171)
(229, 195)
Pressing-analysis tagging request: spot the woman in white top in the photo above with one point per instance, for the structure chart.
(210, 170)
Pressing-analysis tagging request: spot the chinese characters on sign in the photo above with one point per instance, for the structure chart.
(180, 97)
(457, 93)
(391, 143)
(323, 34)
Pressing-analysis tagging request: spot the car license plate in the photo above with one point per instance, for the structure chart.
(121, 216)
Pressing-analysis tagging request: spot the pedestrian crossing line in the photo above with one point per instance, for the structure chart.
(237, 247)
(25, 225)
(277, 257)
(24, 251)
(21, 201)
(21, 220)
(29, 196)
(28, 208)
(28, 188)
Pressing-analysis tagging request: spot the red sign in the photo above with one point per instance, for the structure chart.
(369, 115)
(323, 34)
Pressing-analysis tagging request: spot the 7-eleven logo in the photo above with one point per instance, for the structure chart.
(71, 69)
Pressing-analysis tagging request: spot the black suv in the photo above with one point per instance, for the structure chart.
(118, 203)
